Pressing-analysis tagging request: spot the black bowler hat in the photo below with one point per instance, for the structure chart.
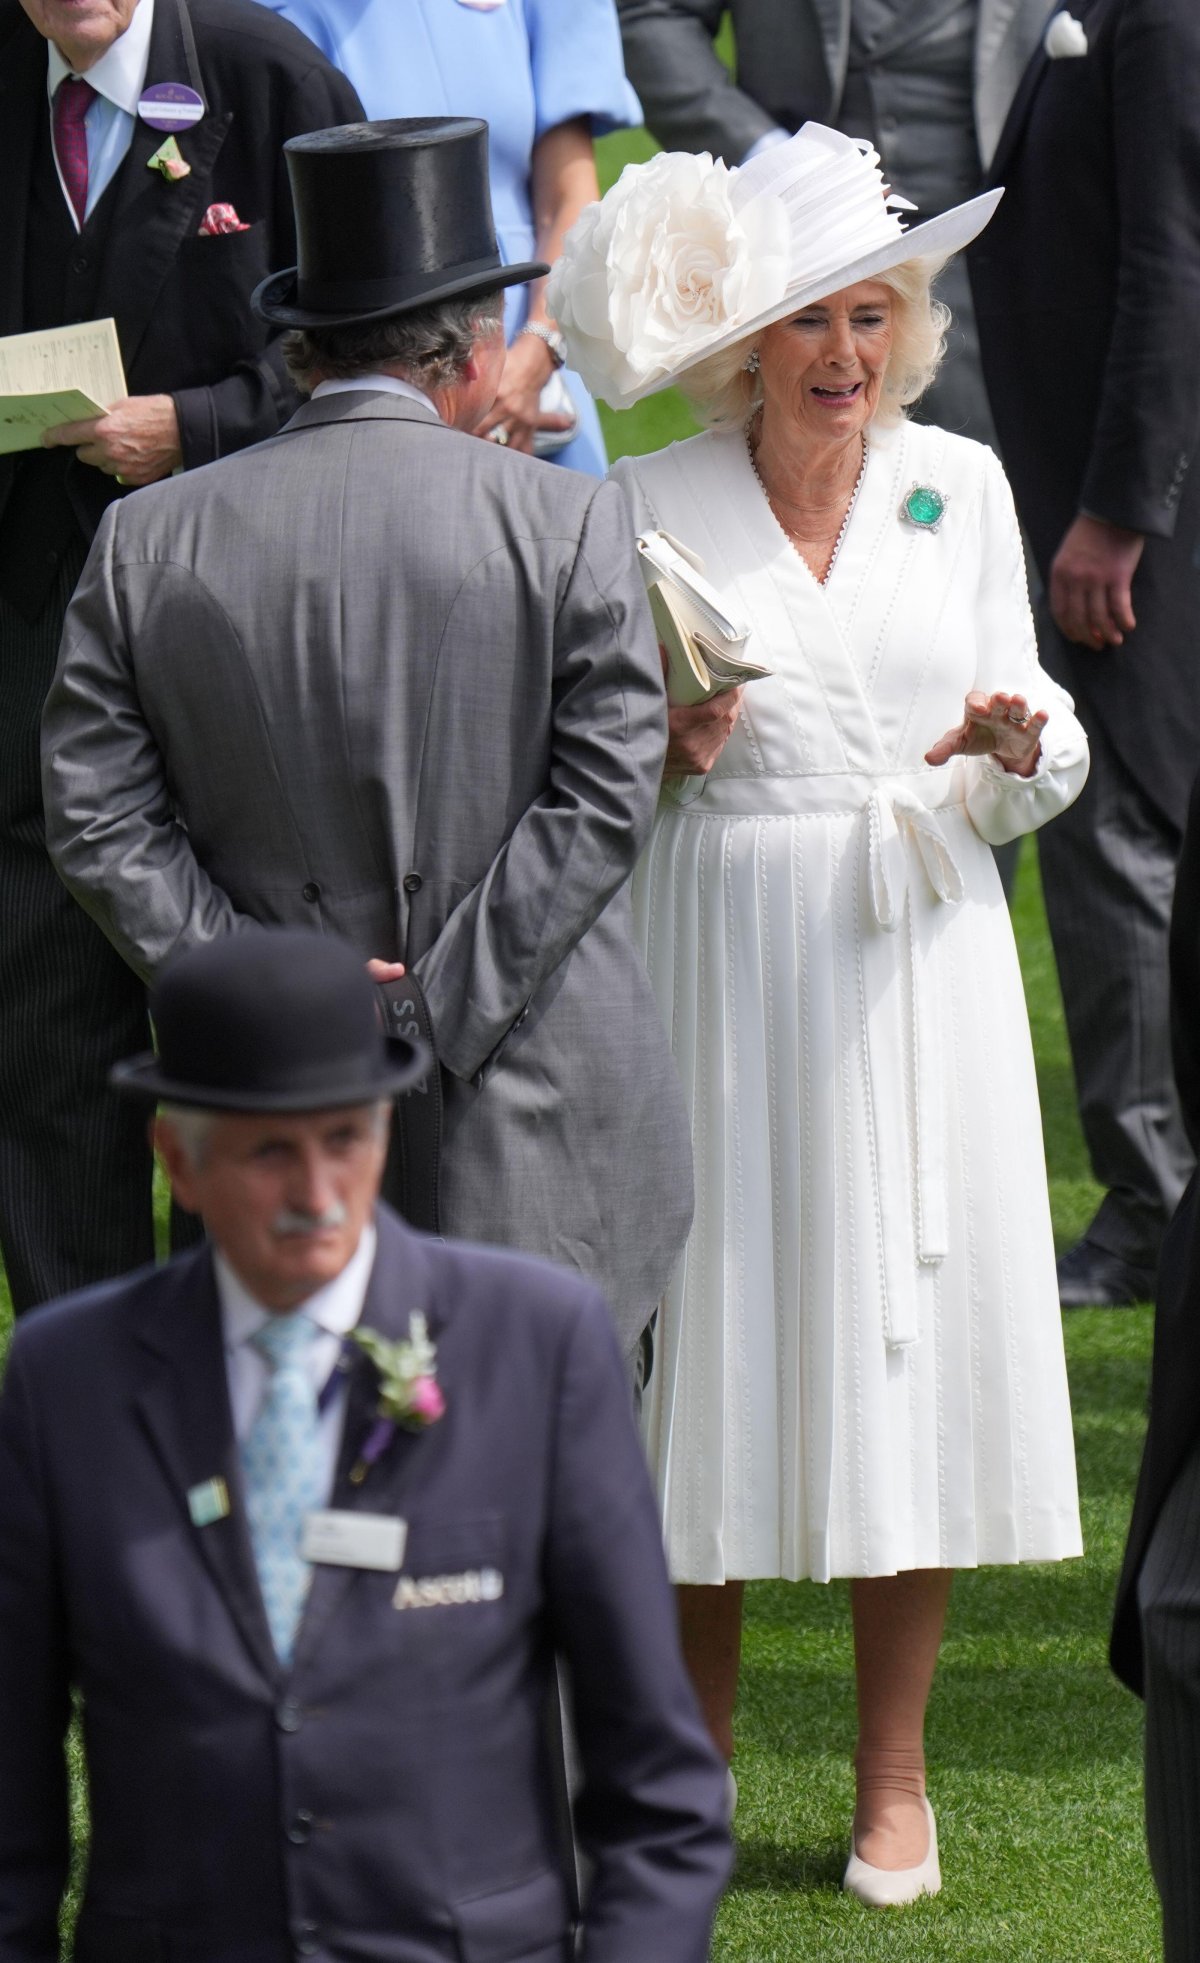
(273, 1019)
(389, 217)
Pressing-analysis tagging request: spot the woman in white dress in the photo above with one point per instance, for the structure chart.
(861, 1366)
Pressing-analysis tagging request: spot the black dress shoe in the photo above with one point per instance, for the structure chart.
(1089, 1277)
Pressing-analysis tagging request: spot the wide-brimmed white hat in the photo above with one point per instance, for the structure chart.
(685, 256)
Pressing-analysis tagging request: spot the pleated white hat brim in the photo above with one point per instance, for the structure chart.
(813, 216)
(936, 238)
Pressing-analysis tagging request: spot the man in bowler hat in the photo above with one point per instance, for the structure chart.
(376, 676)
(305, 1518)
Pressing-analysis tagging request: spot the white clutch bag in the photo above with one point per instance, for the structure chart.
(705, 645)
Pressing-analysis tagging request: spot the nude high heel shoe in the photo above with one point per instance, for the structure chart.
(893, 1887)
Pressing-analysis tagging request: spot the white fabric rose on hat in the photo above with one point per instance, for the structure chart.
(1064, 37)
(663, 264)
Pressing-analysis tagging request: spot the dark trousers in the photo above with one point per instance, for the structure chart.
(1108, 871)
(1169, 1603)
(75, 1164)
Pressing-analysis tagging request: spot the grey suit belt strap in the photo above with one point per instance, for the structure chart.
(410, 1180)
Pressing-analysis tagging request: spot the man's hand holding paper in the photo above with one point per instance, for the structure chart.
(136, 441)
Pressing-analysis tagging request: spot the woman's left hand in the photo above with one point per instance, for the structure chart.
(527, 368)
(1000, 726)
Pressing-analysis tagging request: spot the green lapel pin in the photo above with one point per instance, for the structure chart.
(208, 1501)
(924, 507)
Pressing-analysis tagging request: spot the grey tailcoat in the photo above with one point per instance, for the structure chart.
(377, 676)
(791, 67)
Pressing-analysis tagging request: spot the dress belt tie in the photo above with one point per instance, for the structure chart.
(904, 835)
(888, 860)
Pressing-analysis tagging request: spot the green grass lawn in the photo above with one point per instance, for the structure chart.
(1033, 1749)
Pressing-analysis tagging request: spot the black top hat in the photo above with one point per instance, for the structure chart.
(272, 1019)
(389, 216)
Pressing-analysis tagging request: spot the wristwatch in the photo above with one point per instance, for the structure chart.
(555, 344)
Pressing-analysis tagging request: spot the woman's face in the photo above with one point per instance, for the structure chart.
(822, 369)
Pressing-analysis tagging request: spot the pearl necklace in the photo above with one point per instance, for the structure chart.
(837, 543)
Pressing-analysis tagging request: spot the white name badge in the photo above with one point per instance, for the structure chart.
(355, 1540)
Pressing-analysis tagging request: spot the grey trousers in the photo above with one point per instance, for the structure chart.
(1169, 1602)
(1108, 872)
(75, 1165)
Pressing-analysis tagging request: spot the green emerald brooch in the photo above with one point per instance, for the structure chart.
(924, 507)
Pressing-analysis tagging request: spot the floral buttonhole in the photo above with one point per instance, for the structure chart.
(410, 1397)
(170, 161)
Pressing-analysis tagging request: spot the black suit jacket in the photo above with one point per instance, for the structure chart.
(1087, 295)
(1175, 1379)
(385, 1800)
(180, 301)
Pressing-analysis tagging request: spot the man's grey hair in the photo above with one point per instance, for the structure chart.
(431, 346)
(193, 1127)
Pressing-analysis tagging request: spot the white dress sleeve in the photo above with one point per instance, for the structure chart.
(624, 472)
(1003, 806)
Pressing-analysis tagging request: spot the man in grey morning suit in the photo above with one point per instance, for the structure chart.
(929, 81)
(379, 676)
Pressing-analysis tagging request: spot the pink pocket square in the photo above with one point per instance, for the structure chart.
(220, 218)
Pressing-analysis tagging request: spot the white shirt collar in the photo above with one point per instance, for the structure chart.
(335, 1308)
(120, 73)
(386, 384)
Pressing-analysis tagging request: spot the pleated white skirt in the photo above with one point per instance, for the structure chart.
(845, 1384)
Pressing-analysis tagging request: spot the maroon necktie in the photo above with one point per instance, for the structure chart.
(72, 100)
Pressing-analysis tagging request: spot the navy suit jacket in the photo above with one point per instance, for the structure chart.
(387, 1798)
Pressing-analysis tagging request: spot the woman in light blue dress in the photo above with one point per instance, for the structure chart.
(547, 77)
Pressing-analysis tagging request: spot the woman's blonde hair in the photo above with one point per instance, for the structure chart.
(724, 395)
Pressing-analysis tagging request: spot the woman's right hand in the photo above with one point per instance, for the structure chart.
(697, 735)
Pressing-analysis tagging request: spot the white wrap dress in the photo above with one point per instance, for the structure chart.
(861, 1363)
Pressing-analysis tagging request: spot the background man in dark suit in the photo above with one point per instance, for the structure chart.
(90, 227)
(1156, 1630)
(1088, 295)
(314, 1652)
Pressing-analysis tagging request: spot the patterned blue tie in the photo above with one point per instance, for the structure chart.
(284, 1471)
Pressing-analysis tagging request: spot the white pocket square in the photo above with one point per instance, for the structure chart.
(1064, 37)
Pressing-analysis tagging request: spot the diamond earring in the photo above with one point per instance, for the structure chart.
(751, 364)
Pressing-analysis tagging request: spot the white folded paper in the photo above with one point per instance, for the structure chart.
(61, 375)
(705, 645)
